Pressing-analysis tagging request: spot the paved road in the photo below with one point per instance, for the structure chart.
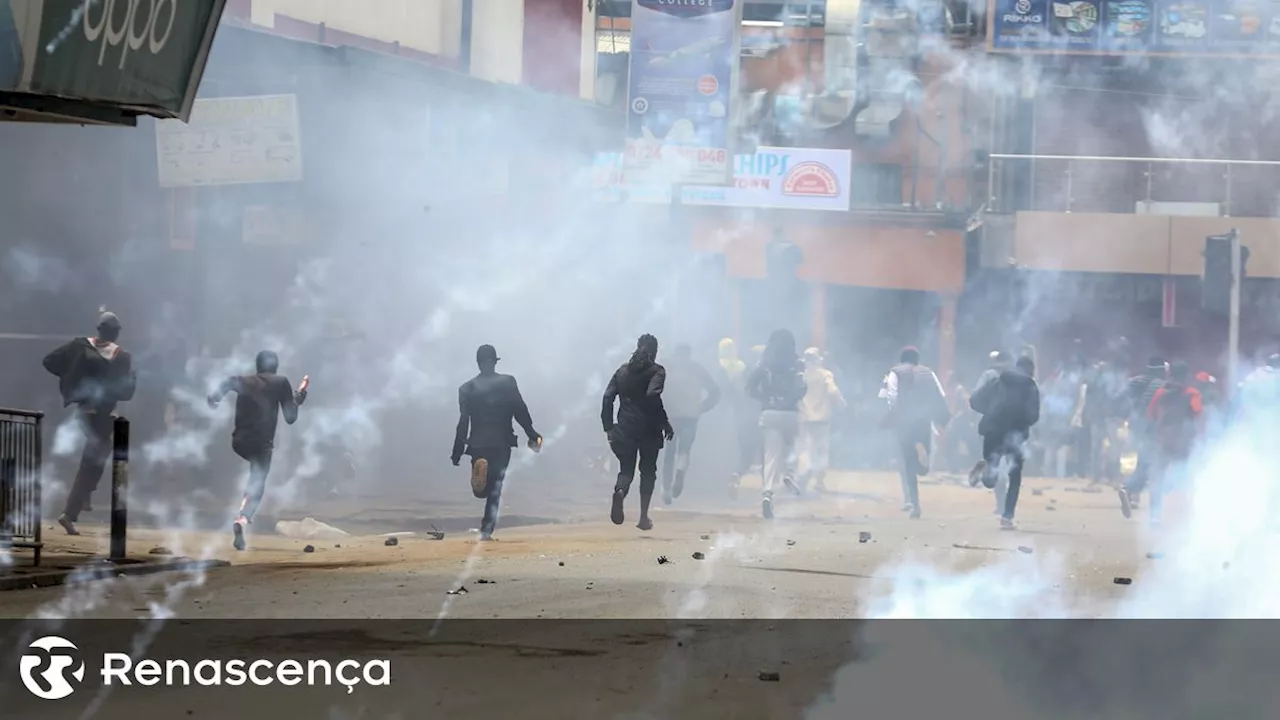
(809, 563)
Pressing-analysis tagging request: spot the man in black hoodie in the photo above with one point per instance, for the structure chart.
(260, 400)
(917, 403)
(94, 374)
(640, 427)
(487, 403)
(1009, 407)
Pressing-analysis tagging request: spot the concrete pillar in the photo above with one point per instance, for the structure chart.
(587, 74)
(497, 40)
(818, 314)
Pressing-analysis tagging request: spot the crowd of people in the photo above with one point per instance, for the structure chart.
(1084, 419)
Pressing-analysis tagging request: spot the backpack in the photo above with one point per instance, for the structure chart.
(1175, 418)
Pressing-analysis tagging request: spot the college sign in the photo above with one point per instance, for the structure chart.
(144, 55)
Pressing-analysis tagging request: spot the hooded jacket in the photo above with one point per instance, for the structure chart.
(778, 386)
(638, 392)
(95, 374)
(1009, 404)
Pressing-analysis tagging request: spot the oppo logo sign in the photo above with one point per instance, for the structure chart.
(128, 25)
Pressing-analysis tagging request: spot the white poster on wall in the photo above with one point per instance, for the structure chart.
(231, 141)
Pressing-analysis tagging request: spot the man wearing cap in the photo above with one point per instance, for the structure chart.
(487, 403)
(94, 374)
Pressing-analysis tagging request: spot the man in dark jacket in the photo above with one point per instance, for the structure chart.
(260, 400)
(1009, 406)
(1135, 400)
(487, 403)
(94, 374)
(640, 427)
(917, 402)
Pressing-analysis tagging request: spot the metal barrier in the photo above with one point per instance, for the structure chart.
(21, 465)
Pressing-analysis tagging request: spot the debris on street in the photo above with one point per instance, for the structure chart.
(706, 537)
(699, 556)
(769, 676)
(864, 536)
(662, 560)
(309, 549)
(462, 590)
(391, 542)
(482, 581)
(791, 543)
(1025, 550)
(160, 550)
(1122, 581)
(1154, 555)
(1037, 491)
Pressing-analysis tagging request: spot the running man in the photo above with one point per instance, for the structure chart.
(487, 403)
(690, 393)
(260, 400)
(637, 434)
(821, 398)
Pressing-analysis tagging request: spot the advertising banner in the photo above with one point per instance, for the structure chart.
(230, 141)
(780, 178)
(683, 81)
(148, 54)
(1152, 27)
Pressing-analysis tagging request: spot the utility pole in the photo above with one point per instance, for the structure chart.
(1233, 318)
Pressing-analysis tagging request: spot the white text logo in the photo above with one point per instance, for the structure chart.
(150, 28)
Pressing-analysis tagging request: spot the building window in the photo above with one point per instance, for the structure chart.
(876, 184)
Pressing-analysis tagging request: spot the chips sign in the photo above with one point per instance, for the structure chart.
(785, 178)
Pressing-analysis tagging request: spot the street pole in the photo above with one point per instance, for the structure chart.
(119, 487)
(1233, 319)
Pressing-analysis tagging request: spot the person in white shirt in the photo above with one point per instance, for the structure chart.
(821, 398)
(690, 392)
(917, 403)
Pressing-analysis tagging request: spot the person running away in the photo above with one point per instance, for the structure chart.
(746, 412)
(917, 402)
(1010, 406)
(260, 400)
(1137, 396)
(998, 362)
(1174, 413)
(690, 393)
(822, 397)
(487, 404)
(94, 374)
(778, 384)
(640, 427)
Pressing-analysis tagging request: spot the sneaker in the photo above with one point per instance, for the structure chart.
(1133, 500)
(766, 508)
(907, 507)
(679, 486)
(237, 535)
(666, 496)
(645, 524)
(67, 525)
(1007, 524)
(792, 486)
(486, 537)
(615, 513)
(978, 474)
(1126, 507)
(922, 456)
(480, 477)
(914, 514)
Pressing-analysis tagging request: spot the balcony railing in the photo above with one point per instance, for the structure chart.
(1081, 183)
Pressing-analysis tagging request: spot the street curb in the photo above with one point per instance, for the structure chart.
(105, 571)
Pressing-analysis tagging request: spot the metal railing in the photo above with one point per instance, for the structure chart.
(21, 460)
(1084, 183)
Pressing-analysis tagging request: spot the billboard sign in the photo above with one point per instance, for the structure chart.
(231, 141)
(779, 178)
(683, 81)
(1150, 27)
(144, 54)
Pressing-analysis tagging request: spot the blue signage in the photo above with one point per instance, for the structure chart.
(1160, 27)
(684, 63)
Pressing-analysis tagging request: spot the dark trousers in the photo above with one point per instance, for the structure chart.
(259, 459)
(628, 452)
(676, 455)
(909, 472)
(499, 459)
(93, 460)
(1004, 454)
